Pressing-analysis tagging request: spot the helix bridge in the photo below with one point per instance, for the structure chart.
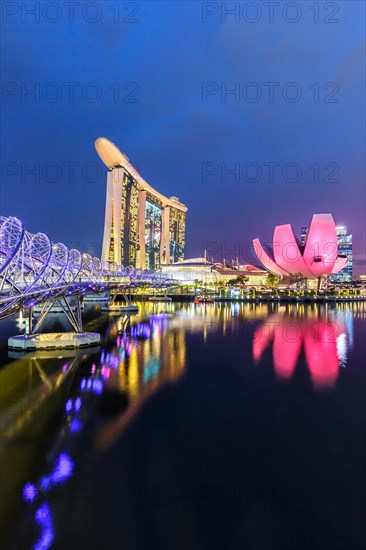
(34, 271)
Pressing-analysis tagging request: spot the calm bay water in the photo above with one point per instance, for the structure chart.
(193, 426)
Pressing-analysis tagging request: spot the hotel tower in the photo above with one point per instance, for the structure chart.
(142, 227)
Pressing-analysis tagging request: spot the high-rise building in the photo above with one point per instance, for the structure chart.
(143, 228)
(344, 249)
(304, 231)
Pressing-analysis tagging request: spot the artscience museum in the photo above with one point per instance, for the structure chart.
(316, 257)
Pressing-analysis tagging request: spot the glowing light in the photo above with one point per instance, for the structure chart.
(77, 404)
(30, 492)
(318, 257)
(323, 352)
(76, 425)
(342, 349)
(151, 370)
(64, 468)
(98, 386)
(45, 483)
(106, 371)
(43, 518)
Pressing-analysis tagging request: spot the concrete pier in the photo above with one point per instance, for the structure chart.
(98, 298)
(55, 340)
(120, 308)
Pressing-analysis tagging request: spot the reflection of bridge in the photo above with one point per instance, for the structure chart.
(35, 271)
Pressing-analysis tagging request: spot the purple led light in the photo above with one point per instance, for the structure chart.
(43, 514)
(97, 386)
(75, 426)
(77, 404)
(43, 518)
(106, 371)
(29, 492)
(45, 483)
(68, 406)
(64, 468)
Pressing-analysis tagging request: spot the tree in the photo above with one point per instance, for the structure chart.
(239, 281)
(197, 283)
(220, 285)
(271, 280)
(242, 279)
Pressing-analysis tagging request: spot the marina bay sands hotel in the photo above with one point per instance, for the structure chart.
(142, 228)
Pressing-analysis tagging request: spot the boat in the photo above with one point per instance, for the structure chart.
(204, 300)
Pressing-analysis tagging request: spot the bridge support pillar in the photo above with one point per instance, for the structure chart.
(30, 320)
(57, 340)
(126, 306)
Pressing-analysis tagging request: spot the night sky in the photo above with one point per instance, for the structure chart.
(152, 79)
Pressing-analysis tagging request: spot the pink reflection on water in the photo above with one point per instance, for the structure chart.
(321, 341)
(285, 356)
(321, 353)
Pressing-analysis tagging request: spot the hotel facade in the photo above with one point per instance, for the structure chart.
(143, 228)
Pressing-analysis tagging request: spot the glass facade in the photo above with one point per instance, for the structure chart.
(143, 228)
(177, 228)
(344, 249)
(111, 243)
(304, 231)
(129, 218)
(153, 227)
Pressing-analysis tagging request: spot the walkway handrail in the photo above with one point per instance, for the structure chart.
(33, 269)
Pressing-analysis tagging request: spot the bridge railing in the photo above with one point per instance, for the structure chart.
(33, 269)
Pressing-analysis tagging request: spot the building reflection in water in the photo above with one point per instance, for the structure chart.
(143, 352)
(323, 339)
(145, 355)
(141, 357)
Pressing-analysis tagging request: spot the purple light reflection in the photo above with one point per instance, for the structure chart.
(30, 492)
(64, 469)
(75, 426)
(98, 386)
(77, 404)
(43, 518)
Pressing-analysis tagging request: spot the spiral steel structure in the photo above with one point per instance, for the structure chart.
(33, 270)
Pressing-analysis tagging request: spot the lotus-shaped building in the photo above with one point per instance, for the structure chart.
(316, 257)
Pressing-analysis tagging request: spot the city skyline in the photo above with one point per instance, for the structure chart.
(187, 115)
(183, 299)
(345, 248)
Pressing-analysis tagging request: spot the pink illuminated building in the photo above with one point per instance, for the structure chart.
(316, 257)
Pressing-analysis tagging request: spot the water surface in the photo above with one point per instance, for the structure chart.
(193, 426)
